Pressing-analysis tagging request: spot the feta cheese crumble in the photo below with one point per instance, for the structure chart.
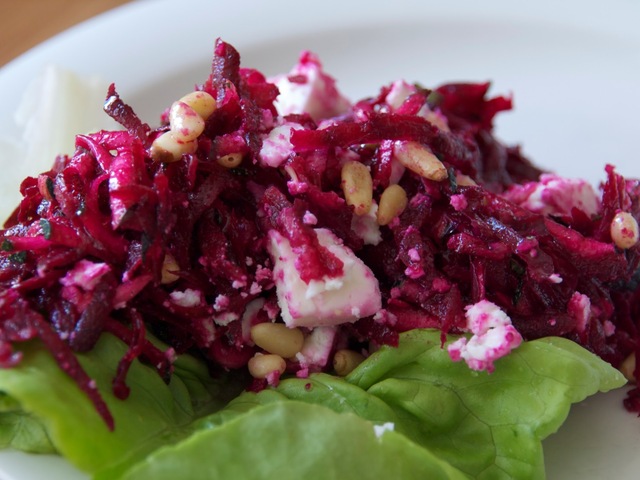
(188, 298)
(276, 146)
(80, 282)
(329, 301)
(307, 89)
(366, 226)
(85, 274)
(317, 347)
(493, 337)
(555, 195)
(579, 307)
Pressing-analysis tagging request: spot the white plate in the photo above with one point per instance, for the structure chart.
(573, 66)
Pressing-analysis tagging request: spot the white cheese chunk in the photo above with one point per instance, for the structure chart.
(317, 347)
(276, 147)
(555, 195)
(307, 89)
(493, 337)
(329, 301)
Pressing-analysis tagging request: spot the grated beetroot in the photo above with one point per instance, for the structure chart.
(84, 251)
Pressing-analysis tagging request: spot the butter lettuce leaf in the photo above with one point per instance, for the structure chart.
(20, 430)
(290, 440)
(448, 421)
(489, 426)
(43, 410)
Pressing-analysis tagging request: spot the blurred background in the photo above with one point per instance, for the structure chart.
(25, 23)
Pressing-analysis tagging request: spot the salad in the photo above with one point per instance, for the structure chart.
(278, 282)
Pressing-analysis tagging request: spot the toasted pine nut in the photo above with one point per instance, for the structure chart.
(624, 230)
(262, 365)
(230, 161)
(357, 186)
(45, 187)
(277, 338)
(186, 124)
(393, 201)
(437, 120)
(465, 180)
(419, 159)
(169, 266)
(345, 361)
(203, 103)
(166, 148)
(628, 367)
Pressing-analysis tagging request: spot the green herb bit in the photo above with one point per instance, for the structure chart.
(45, 225)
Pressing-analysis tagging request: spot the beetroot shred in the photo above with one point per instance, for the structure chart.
(111, 241)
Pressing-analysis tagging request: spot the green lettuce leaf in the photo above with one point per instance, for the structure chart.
(291, 441)
(21, 430)
(449, 422)
(489, 426)
(42, 409)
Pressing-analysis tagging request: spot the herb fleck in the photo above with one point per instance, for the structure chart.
(45, 225)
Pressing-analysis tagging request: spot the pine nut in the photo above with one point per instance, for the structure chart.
(393, 201)
(277, 338)
(437, 120)
(345, 361)
(419, 159)
(203, 103)
(465, 180)
(166, 148)
(628, 367)
(169, 266)
(45, 187)
(230, 161)
(186, 124)
(357, 187)
(624, 230)
(262, 365)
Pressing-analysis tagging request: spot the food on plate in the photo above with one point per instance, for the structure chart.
(271, 255)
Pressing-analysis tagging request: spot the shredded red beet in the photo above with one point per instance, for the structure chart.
(87, 249)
